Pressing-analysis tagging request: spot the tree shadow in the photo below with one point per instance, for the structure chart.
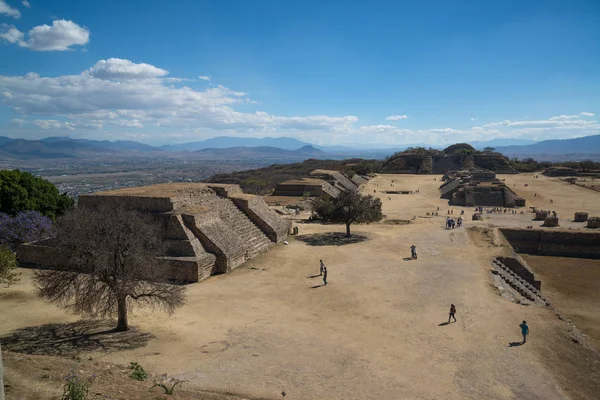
(515, 344)
(331, 239)
(73, 338)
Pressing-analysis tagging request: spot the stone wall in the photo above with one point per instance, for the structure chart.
(558, 243)
(141, 203)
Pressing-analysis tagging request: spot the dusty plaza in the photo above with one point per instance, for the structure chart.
(378, 329)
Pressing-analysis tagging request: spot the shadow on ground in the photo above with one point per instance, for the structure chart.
(331, 239)
(72, 339)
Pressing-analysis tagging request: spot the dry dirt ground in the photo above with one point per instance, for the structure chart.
(376, 331)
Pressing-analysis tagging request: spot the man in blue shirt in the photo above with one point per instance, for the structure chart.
(524, 331)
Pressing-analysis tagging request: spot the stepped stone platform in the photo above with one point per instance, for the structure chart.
(207, 228)
(306, 186)
(478, 188)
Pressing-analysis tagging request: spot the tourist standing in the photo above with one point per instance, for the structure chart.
(524, 331)
(413, 252)
(452, 312)
(322, 267)
(324, 275)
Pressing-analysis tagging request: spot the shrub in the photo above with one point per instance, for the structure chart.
(8, 267)
(167, 384)
(25, 227)
(75, 387)
(137, 372)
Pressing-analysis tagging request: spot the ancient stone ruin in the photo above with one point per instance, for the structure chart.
(593, 222)
(207, 228)
(452, 158)
(581, 216)
(322, 183)
(478, 187)
(550, 221)
(306, 187)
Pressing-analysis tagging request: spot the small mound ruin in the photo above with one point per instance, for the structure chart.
(551, 221)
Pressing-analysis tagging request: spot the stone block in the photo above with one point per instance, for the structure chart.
(593, 222)
(551, 221)
(581, 216)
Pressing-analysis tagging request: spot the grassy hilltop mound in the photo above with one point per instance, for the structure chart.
(455, 157)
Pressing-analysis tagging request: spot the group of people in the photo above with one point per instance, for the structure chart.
(451, 223)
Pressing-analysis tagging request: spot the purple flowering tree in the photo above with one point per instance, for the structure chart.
(25, 227)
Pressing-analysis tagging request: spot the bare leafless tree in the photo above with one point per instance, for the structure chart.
(108, 262)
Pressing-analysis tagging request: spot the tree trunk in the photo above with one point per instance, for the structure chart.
(348, 230)
(122, 324)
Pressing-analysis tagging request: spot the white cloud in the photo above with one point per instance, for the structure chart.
(8, 10)
(473, 119)
(396, 117)
(26, 3)
(11, 34)
(118, 98)
(48, 124)
(204, 77)
(116, 68)
(59, 37)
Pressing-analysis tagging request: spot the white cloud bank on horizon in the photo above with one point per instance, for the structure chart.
(6, 9)
(118, 98)
(60, 36)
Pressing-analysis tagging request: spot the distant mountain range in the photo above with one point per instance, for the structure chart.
(224, 142)
(240, 152)
(274, 148)
(577, 149)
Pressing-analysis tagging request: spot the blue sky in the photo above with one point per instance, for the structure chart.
(328, 72)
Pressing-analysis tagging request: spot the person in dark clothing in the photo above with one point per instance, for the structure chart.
(324, 276)
(452, 312)
(524, 331)
(413, 252)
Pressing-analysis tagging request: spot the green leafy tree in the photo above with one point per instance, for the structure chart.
(8, 267)
(22, 191)
(349, 208)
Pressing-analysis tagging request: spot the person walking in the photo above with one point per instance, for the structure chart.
(524, 331)
(324, 276)
(322, 267)
(413, 252)
(452, 312)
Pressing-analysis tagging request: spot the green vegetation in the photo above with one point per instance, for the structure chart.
(137, 372)
(75, 387)
(349, 208)
(167, 385)
(8, 267)
(22, 191)
(531, 165)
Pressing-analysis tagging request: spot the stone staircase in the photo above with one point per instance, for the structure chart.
(255, 241)
(519, 284)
